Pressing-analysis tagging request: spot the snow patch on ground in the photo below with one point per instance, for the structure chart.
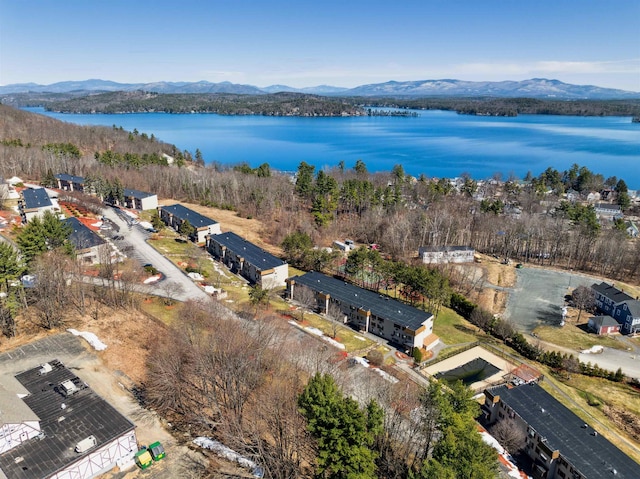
(91, 338)
(229, 454)
(597, 349)
(505, 458)
(385, 375)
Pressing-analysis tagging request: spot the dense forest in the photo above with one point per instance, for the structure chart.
(278, 104)
(520, 218)
(298, 104)
(514, 106)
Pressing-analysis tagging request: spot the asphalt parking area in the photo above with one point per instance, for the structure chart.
(538, 297)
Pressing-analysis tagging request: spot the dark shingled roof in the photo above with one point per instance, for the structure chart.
(85, 414)
(379, 305)
(69, 178)
(82, 237)
(37, 198)
(136, 194)
(611, 292)
(600, 321)
(594, 456)
(251, 253)
(183, 213)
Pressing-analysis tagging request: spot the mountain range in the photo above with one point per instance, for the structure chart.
(533, 88)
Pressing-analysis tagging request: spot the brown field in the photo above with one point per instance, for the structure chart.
(250, 229)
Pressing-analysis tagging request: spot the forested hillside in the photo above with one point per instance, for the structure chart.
(298, 104)
(511, 218)
(515, 106)
(279, 104)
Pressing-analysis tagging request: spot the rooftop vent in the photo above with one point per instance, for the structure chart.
(86, 444)
(68, 388)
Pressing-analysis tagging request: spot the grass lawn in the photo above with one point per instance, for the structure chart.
(591, 395)
(574, 337)
(157, 308)
(453, 328)
(351, 339)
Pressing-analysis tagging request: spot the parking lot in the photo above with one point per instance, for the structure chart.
(537, 299)
(539, 295)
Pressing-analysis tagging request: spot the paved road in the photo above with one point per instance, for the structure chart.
(137, 237)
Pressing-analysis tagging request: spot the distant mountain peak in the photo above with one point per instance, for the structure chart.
(533, 88)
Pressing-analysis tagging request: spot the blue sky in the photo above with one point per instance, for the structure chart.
(306, 43)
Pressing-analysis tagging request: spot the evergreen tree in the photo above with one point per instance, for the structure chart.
(156, 221)
(49, 180)
(10, 267)
(186, 229)
(40, 235)
(304, 179)
(344, 433)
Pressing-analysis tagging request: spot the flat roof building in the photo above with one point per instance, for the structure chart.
(62, 429)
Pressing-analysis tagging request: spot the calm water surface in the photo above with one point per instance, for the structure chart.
(437, 143)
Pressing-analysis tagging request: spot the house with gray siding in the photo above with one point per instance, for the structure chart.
(174, 215)
(369, 311)
(248, 260)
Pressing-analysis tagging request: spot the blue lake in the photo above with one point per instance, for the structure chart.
(436, 143)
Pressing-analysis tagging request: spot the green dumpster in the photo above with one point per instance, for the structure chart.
(143, 458)
(157, 451)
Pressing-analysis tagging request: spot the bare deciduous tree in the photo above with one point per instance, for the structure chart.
(584, 299)
(50, 294)
(306, 297)
(510, 433)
